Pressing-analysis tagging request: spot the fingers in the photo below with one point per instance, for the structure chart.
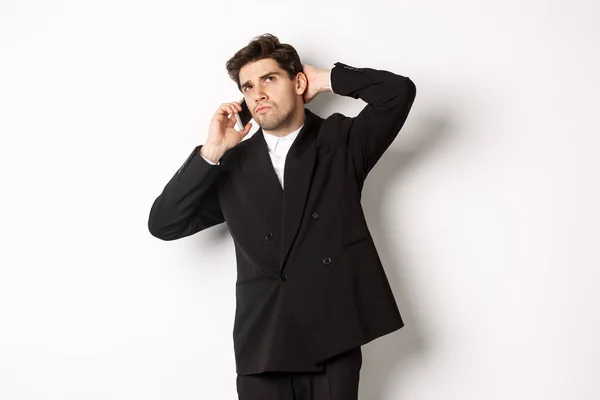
(246, 130)
(229, 108)
(225, 114)
(231, 121)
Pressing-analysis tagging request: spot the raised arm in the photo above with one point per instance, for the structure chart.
(189, 202)
(389, 98)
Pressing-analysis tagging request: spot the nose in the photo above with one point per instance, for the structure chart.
(259, 97)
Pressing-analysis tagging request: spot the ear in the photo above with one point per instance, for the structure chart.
(301, 83)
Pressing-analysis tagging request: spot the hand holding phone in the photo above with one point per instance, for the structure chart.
(222, 134)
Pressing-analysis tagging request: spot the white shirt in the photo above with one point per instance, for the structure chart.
(278, 148)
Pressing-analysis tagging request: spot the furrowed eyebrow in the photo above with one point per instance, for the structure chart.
(247, 83)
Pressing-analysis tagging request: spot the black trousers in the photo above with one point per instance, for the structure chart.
(338, 381)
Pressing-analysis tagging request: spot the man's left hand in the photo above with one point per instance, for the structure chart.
(318, 81)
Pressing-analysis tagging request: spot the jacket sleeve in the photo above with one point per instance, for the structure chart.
(189, 202)
(389, 98)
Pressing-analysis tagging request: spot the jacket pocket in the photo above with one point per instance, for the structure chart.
(357, 240)
(251, 280)
(354, 226)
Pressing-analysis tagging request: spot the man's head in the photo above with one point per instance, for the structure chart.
(269, 73)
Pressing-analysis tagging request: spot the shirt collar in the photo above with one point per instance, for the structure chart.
(272, 140)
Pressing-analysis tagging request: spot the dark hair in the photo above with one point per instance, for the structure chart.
(261, 47)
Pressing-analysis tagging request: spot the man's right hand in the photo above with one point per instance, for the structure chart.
(222, 135)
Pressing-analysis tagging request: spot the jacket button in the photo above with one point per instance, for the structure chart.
(327, 260)
(269, 236)
(315, 215)
(283, 278)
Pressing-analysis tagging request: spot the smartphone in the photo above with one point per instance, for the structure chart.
(244, 116)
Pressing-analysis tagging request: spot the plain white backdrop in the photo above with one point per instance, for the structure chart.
(485, 209)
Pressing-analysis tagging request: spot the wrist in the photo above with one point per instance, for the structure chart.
(211, 152)
(324, 81)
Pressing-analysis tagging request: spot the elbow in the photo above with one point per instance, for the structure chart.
(403, 94)
(165, 233)
(409, 89)
(170, 229)
(159, 231)
(408, 92)
(159, 228)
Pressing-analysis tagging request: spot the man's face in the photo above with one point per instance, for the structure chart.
(264, 83)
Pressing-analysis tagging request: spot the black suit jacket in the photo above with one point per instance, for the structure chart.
(310, 283)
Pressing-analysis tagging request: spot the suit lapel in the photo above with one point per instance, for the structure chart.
(265, 190)
(265, 194)
(298, 172)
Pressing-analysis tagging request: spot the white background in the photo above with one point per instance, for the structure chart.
(485, 210)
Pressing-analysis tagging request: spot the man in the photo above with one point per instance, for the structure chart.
(310, 286)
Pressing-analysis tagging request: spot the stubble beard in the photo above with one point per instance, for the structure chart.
(272, 119)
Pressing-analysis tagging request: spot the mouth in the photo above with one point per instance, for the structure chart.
(262, 109)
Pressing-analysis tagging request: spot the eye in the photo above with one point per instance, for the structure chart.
(270, 76)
